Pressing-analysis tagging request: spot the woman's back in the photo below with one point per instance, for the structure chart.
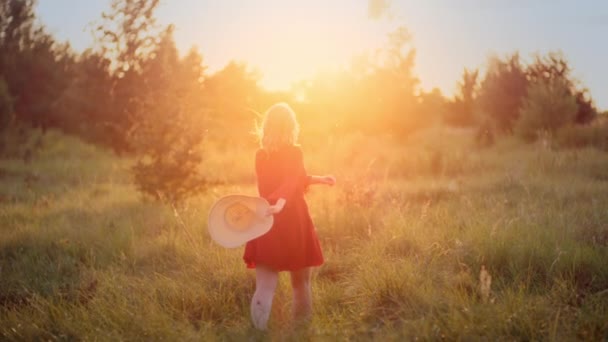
(281, 173)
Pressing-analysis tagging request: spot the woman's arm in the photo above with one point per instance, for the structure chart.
(328, 179)
(296, 178)
(278, 206)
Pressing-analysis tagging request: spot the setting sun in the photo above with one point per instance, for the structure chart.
(286, 42)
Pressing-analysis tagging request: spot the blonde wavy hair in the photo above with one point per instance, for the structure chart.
(278, 128)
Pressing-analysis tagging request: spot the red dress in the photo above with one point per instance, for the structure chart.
(291, 243)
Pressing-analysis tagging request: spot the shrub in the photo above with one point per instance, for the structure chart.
(167, 167)
(460, 110)
(6, 106)
(502, 91)
(578, 136)
(554, 66)
(168, 134)
(6, 113)
(548, 106)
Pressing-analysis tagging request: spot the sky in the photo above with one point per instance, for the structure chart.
(289, 40)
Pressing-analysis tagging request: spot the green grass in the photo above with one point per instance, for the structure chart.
(404, 233)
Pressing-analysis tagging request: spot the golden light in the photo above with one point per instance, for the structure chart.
(287, 42)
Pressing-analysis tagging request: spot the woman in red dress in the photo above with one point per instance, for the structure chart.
(291, 244)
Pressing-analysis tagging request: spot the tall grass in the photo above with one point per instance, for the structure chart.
(405, 235)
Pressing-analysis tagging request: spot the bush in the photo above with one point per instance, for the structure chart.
(460, 110)
(6, 113)
(167, 167)
(579, 136)
(502, 91)
(548, 106)
(6, 106)
(168, 134)
(555, 66)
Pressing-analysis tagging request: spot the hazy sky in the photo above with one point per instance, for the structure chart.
(292, 40)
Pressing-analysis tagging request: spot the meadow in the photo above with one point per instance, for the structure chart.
(430, 238)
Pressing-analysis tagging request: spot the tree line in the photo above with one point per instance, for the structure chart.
(134, 93)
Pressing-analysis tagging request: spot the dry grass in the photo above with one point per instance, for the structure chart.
(411, 235)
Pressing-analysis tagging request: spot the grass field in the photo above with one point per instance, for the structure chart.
(405, 233)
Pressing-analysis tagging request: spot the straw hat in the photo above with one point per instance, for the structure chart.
(236, 219)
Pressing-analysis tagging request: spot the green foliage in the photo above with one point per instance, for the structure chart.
(587, 111)
(51, 86)
(167, 136)
(554, 66)
(6, 107)
(502, 91)
(157, 112)
(548, 106)
(503, 95)
(169, 172)
(129, 34)
(232, 95)
(87, 104)
(462, 108)
(7, 115)
(99, 94)
(35, 68)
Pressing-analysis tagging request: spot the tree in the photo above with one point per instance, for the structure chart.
(128, 36)
(461, 109)
(554, 66)
(502, 91)
(87, 102)
(6, 113)
(16, 28)
(232, 96)
(34, 67)
(549, 106)
(155, 98)
(168, 135)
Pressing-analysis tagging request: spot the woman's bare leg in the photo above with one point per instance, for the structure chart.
(261, 304)
(302, 294)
